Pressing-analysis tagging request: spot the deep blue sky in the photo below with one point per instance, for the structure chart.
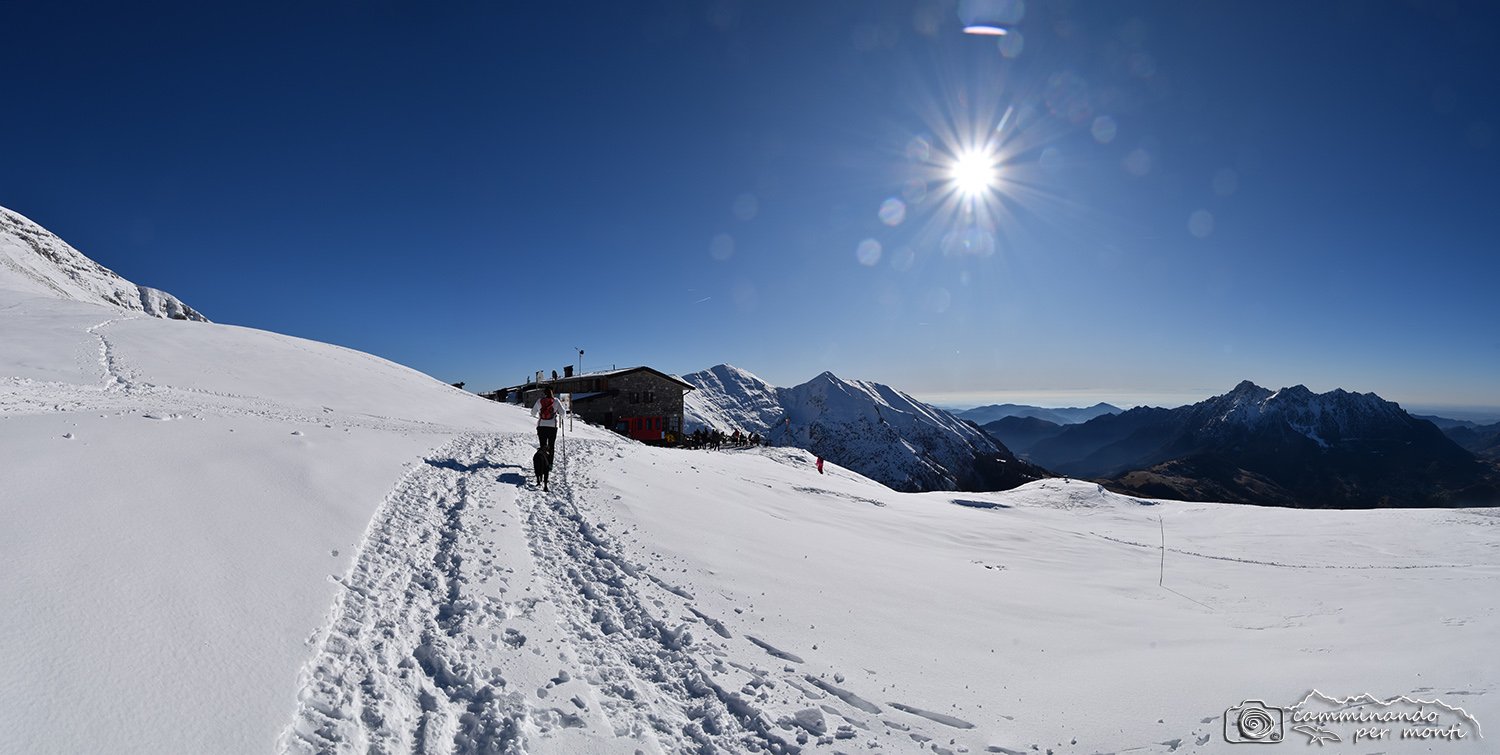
(1192, 193)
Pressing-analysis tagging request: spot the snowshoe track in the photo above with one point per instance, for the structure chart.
(652, 685)
(407, 662)
(396, 669)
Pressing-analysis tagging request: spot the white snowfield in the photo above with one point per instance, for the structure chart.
(221, 540)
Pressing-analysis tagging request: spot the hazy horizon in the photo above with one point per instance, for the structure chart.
(1479, 414)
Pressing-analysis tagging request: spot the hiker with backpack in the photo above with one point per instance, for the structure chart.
(547, 410)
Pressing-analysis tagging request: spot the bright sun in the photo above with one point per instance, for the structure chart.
(973, 173)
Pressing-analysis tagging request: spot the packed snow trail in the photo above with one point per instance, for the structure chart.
(399, 669)
(652, 685)
(451, 621)
(688, 683)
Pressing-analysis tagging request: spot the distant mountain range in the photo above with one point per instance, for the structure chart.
(39, 262)
(1288, 447)
(1020, 434)
(1481, 440)
(1444, 423)
(983, 415)
(873, 429)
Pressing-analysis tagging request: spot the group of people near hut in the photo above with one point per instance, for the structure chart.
(712, 438)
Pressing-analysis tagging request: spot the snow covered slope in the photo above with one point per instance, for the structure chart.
(221, 540)
(174, 497)
(874, 429)
(34, 260)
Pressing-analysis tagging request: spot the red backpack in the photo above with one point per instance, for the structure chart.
(548, 410)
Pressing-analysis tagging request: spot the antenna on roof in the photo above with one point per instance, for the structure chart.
(580, 360)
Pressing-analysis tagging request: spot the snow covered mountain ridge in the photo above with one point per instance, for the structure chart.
(1324, 418)
(871, 428)
(35, 260)
(729, 397)
(1289, 447)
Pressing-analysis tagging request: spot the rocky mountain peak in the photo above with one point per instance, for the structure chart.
(868, 427)
(36, 261)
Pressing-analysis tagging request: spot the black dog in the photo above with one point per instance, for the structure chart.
(541, 462)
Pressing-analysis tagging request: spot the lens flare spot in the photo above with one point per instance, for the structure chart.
(919, 150)
(868, 252)
(1226, 182)
(914, 190)
(721, 248)
(1201, 224)
(983, 29)
(968, 241)
(927, 20)
(1067, 96)
(1141, 65)
(1104, 129)
(746, 297)
(746, 206)
(1138, 162)
(990, 17)
(892, 212)
(1011, 44)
